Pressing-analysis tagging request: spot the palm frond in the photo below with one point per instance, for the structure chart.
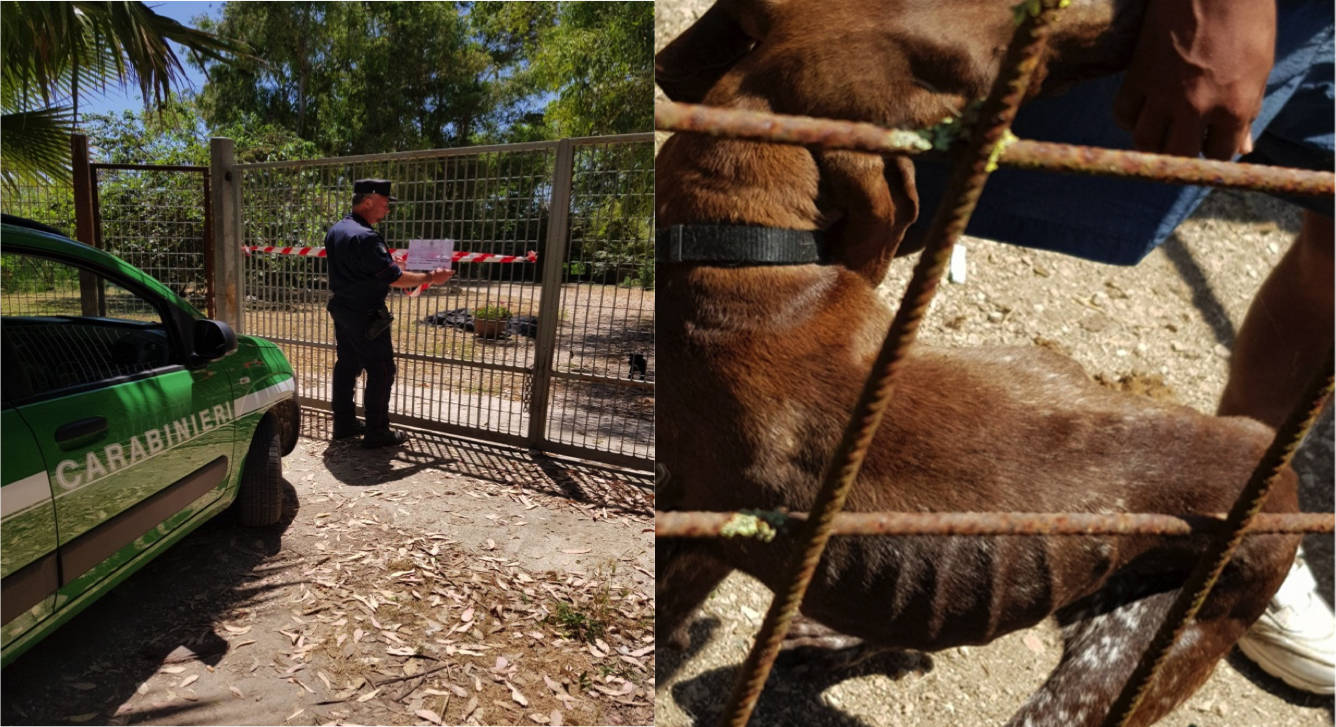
(54, 47)
(35, 145)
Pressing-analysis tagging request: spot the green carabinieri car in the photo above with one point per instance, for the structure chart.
(129, 419)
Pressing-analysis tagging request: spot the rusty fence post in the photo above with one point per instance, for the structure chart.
(970, 171)
(554, 258)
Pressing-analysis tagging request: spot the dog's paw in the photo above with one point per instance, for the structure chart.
(854, 660)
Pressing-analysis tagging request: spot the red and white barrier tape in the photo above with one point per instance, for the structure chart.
(399, 255)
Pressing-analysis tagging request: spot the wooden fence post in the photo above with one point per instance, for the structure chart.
(85, 222)
(225, 190)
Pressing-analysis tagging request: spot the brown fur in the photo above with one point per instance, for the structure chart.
(764, 365)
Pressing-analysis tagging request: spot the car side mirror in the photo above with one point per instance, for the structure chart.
(212, 341)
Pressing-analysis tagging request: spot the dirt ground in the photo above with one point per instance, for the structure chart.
(1165, 326)
(450, 582)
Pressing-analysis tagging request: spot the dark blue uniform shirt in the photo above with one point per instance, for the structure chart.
(360, 266)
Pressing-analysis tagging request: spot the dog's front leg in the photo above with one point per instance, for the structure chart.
(871, 200)
(684, 574)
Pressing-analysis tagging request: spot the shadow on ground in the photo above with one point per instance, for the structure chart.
(170, 611)
(796, 682)
(619, 491)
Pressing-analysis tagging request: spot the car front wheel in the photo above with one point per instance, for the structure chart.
(260, 499)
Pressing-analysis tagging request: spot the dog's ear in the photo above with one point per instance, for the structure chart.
(689, 66)
(875, 200)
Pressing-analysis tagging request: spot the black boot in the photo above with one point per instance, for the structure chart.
(344, 430)
(383, 438)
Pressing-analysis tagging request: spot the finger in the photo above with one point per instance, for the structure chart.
(1184, 136)
(1226, 138)
(1127, 106)
(1148, 135)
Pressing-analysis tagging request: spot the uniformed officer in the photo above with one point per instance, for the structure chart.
(361, 273)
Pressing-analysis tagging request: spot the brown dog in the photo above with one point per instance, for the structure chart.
(764, 363)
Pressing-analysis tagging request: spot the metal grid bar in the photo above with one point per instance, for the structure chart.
(767, 525)
(968, 175)
(1022, 153)
(487, 199)
(443, 153)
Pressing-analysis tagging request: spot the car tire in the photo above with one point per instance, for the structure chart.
(260, 499)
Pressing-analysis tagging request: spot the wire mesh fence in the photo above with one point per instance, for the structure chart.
(456, 371)
(157, 219)
(603, 393)
(50, 203)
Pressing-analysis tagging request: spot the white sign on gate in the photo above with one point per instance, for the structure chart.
(425, 255)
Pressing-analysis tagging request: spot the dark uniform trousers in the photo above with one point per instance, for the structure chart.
(354, 354)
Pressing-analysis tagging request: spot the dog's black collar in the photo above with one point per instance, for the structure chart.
(736, 245)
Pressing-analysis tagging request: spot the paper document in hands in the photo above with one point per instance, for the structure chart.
(427, 255)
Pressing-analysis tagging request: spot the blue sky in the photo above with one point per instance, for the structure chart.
(115, 100)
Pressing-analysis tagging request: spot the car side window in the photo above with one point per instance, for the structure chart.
(63, 326)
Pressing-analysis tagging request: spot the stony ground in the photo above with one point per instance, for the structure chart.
(447, 582)
(1164, 327)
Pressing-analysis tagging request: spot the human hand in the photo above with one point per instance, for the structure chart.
(1197, 77)
(440, 275)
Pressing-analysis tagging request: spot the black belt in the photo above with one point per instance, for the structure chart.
(736, 245)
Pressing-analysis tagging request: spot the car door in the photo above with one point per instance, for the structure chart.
(133, 442)
(29, 575)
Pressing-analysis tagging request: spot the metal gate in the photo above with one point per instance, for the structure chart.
(572, 369)
(175, 242)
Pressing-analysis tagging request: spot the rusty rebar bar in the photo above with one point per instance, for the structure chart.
(1021, 153)
(968, 174)
(1219, 551)
(764, 525)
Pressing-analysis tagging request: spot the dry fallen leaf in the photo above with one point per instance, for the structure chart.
(556, 717)
(369, 695)
(576, 551)
(520, 699)
(237, 692)
(172, 669)
(189, 680)
(429, 715)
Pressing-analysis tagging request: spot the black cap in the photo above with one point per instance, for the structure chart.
(373, 186)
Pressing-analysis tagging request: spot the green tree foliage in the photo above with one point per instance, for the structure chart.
(155, 219)
(597, 59)
(354, 77)
(54, 52)
(391, 76)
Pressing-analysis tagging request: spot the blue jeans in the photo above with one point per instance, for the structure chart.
(1120, 221)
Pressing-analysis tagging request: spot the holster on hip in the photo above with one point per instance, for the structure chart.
(379, 321)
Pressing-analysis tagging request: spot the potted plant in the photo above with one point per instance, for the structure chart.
(490, 321)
